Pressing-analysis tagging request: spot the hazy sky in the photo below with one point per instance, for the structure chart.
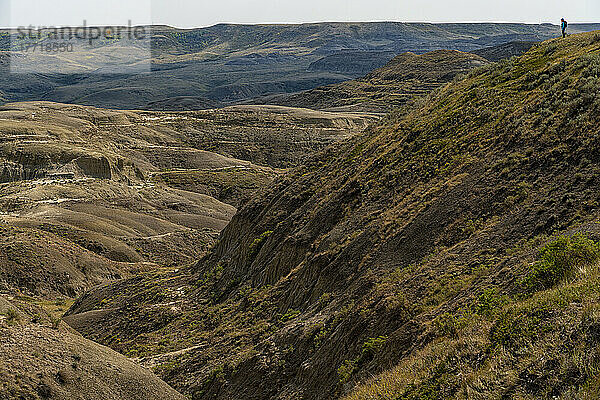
(194, 13)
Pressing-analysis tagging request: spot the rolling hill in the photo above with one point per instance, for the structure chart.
(91, 195)
(42, 358)
(405, 77)
(233, 63)
(450, 251)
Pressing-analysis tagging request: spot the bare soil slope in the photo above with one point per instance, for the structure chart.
(44, 359)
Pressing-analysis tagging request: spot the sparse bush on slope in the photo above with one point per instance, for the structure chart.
(561, 259)
(533, 346)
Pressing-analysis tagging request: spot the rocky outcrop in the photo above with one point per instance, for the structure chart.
(12, 172)
(93, 166)
(29, 166)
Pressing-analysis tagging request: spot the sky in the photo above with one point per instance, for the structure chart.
(198, 13)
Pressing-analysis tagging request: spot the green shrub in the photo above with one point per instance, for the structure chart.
(372, 346)
(346, 370)
(368, 351)
(446, 324)
(322, 333)
(12, 316)
(257, 244)
(489, 303)
(324, 299)
(560, 260)
(515, 327)
(36, 318)
(55, 321)
(288, 316)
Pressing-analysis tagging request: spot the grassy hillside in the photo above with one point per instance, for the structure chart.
(193, 69)
(450, 251)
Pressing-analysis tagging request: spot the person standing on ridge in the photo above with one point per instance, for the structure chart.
(563, 26)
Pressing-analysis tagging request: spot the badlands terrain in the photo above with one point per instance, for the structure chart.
(89, 196)
(450, 249)
(428, 230)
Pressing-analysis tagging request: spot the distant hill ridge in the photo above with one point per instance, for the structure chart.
(405, 77)
(235, 63)
(506, 50)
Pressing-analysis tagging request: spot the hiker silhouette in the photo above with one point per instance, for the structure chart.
(563, 27)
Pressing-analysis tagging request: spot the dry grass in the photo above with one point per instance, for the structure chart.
(545, 332)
